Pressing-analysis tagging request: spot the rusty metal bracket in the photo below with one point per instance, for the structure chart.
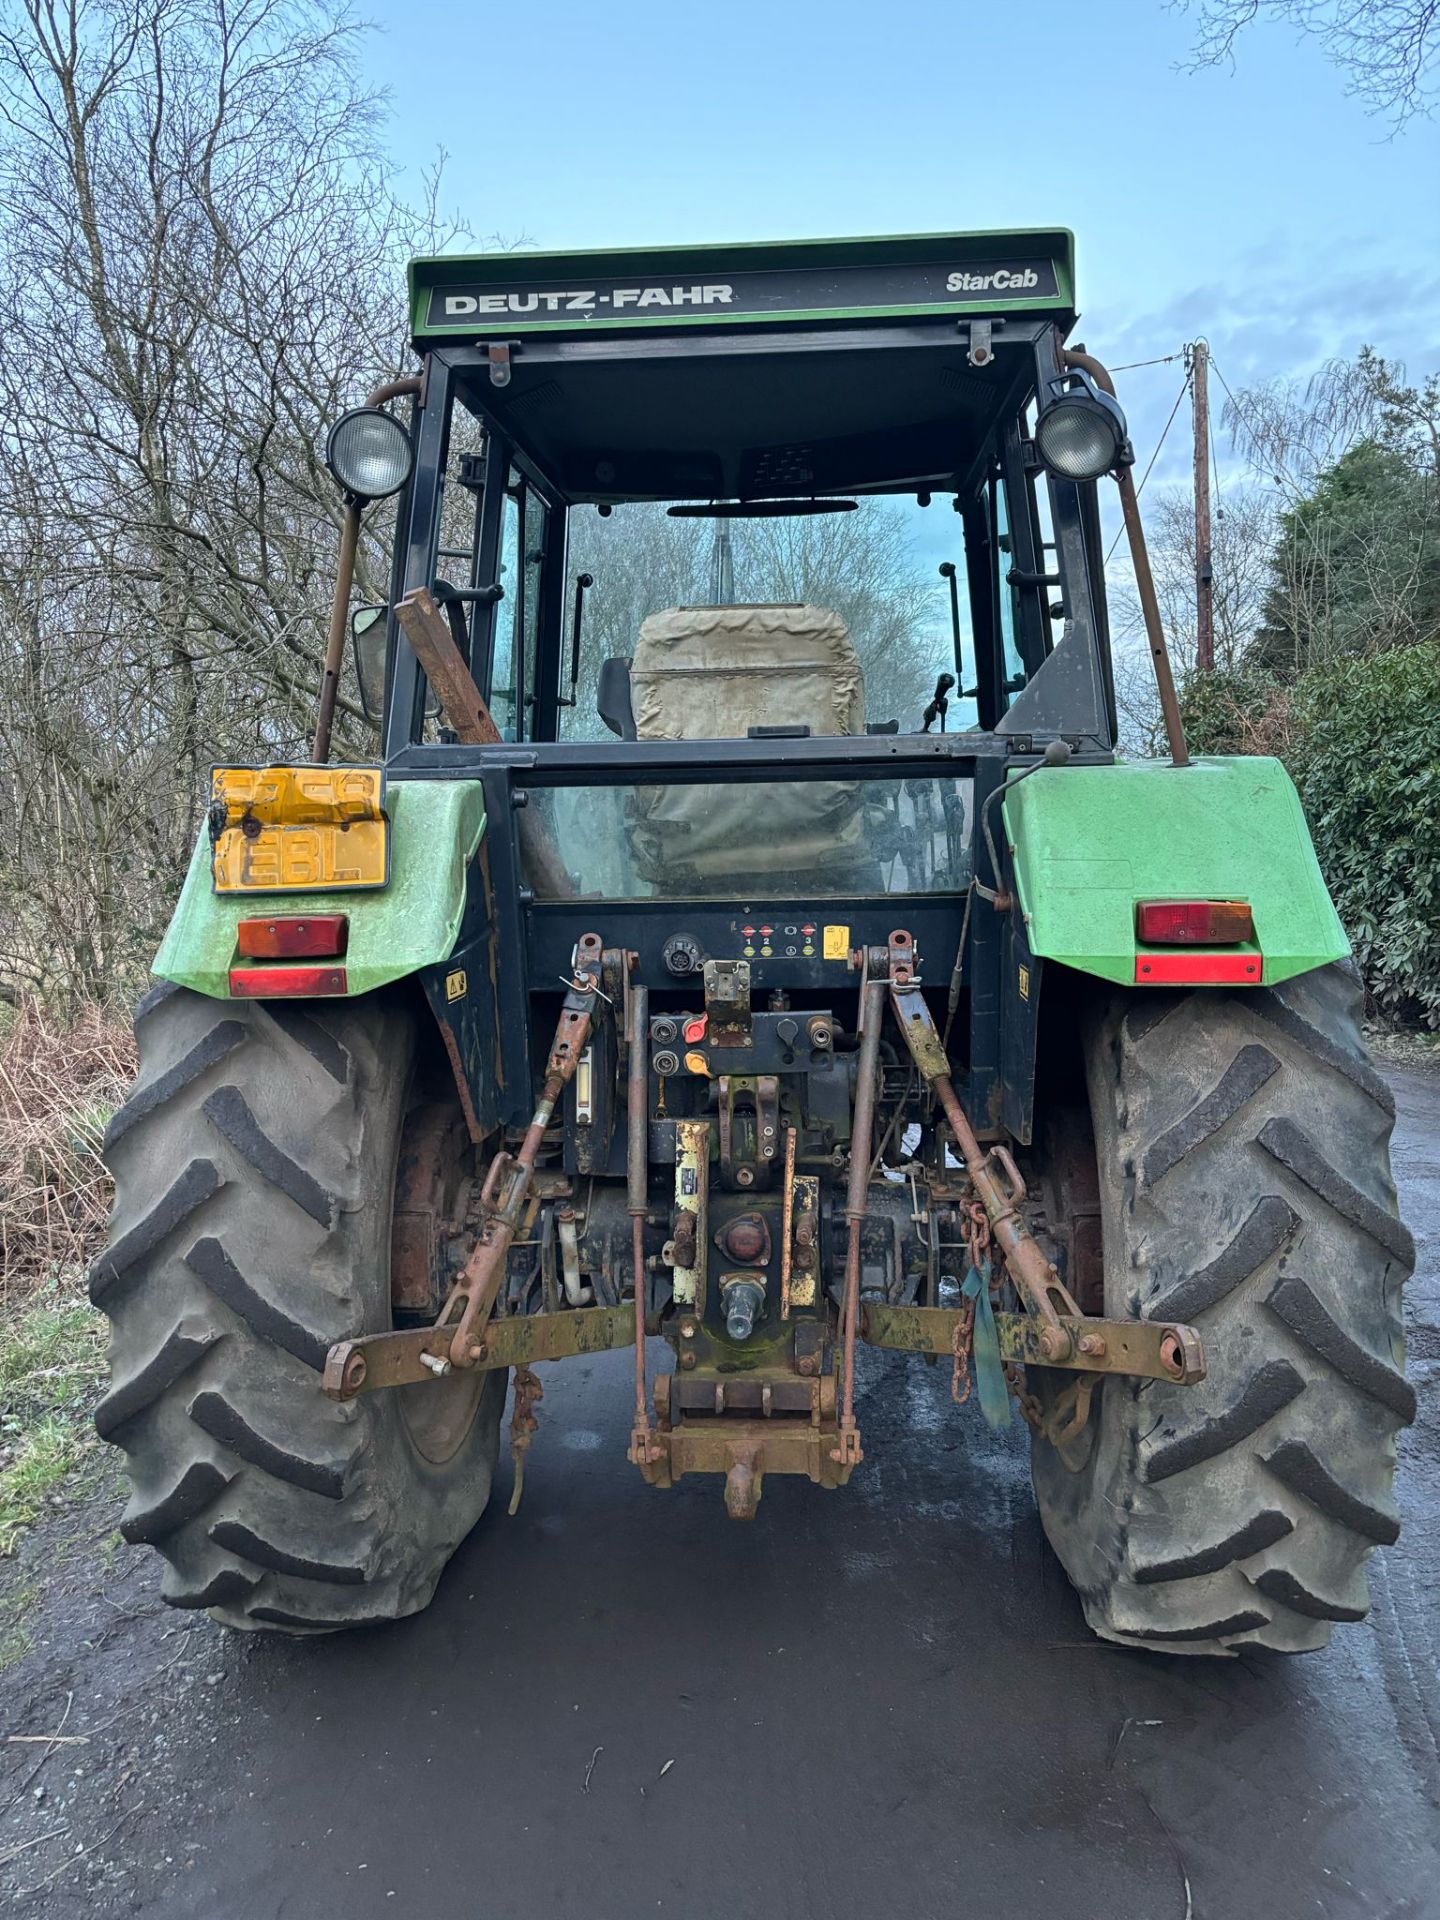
(744, 1448)
(1147, 1349)
(926, 1048)
(1036, 1280)
(507, 1185)
(727, 1002)
(799, 1235)
(767, 1115)
(1066, 1420)
(746, 1095)
(417, 1354)
(686, 1251)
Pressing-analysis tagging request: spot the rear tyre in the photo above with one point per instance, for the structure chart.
(1243, 1151)
(255, 1164)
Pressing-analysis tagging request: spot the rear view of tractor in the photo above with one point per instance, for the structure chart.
(775, 979)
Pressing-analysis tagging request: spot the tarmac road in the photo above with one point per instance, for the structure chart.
(872, 1703)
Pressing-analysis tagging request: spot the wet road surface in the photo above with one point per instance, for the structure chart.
(877, 1702)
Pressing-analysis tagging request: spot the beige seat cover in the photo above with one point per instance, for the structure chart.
(712, 673)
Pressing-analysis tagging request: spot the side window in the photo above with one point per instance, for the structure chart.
(524, 524)
(1012, 667)
(509, 615)
(1045, 534)
(536, 521)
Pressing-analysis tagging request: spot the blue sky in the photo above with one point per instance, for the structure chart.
(1260, 206)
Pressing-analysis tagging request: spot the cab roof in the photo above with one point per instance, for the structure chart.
(743, 372)
(462, 297)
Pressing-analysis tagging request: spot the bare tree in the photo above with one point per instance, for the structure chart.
(1387, 48)
(864, 565)
(200, 264)
(1243, 530)
(1291, 431)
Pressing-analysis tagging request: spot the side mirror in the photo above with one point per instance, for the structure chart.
(368, 635)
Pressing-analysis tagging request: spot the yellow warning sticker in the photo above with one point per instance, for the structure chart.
(1024, 983)
(456, 985)
(837, 943)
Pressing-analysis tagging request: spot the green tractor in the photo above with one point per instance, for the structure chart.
(761, 977)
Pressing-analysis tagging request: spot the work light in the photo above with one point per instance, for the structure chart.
(369, 453)
(1081, 433)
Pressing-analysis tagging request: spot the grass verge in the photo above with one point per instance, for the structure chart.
(52, 1361)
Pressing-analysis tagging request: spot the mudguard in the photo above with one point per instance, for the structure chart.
(1088, 843)
(410, 923)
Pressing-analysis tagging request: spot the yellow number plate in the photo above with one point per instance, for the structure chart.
(298, 829)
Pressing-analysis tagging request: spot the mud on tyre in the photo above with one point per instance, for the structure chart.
(255, 1164)
(1245, 1188)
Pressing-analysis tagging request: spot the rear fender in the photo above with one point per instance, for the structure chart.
(411, 922)
(1088, 843)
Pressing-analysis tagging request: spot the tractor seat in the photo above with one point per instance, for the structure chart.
(714, 673)
(725, 673)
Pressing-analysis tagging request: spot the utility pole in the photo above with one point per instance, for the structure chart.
(1204, 569)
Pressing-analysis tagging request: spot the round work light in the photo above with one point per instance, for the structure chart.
(369, 453)
(1082, 433)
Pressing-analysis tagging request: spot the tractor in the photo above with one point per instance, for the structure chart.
(753, 978)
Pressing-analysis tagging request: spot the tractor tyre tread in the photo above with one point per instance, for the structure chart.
(251, 1231)
(1243, 1144)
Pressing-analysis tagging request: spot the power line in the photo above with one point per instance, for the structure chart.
(1184, 389)
(1163, 361)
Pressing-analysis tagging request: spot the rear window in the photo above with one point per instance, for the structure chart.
(734, 840)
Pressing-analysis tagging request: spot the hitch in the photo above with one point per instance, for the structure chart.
(1054, 1332)
(797, 1418)
(458, 1337)
(1036, 1280)
(745, 1429)
(1147, 1349)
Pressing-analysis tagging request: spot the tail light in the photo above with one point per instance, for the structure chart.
(1199, 970)
(314, 936)
(1194, 923)
(278, 983)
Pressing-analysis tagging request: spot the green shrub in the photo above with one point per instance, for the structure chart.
(1366, 759)
(1239, 710)
(1361, 738)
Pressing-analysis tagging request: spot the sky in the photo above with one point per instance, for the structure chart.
(1259, 206)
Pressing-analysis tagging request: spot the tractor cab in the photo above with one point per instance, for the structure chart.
(851, 431)
(766, 590)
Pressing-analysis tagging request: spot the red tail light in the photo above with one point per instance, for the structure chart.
(1199, 970)
(275, 983)
(1194, 923)
(316, 936)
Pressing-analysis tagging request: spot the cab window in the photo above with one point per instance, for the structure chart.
(523, 528)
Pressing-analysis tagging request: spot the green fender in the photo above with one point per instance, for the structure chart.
(411, 922)
(1089, 842)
